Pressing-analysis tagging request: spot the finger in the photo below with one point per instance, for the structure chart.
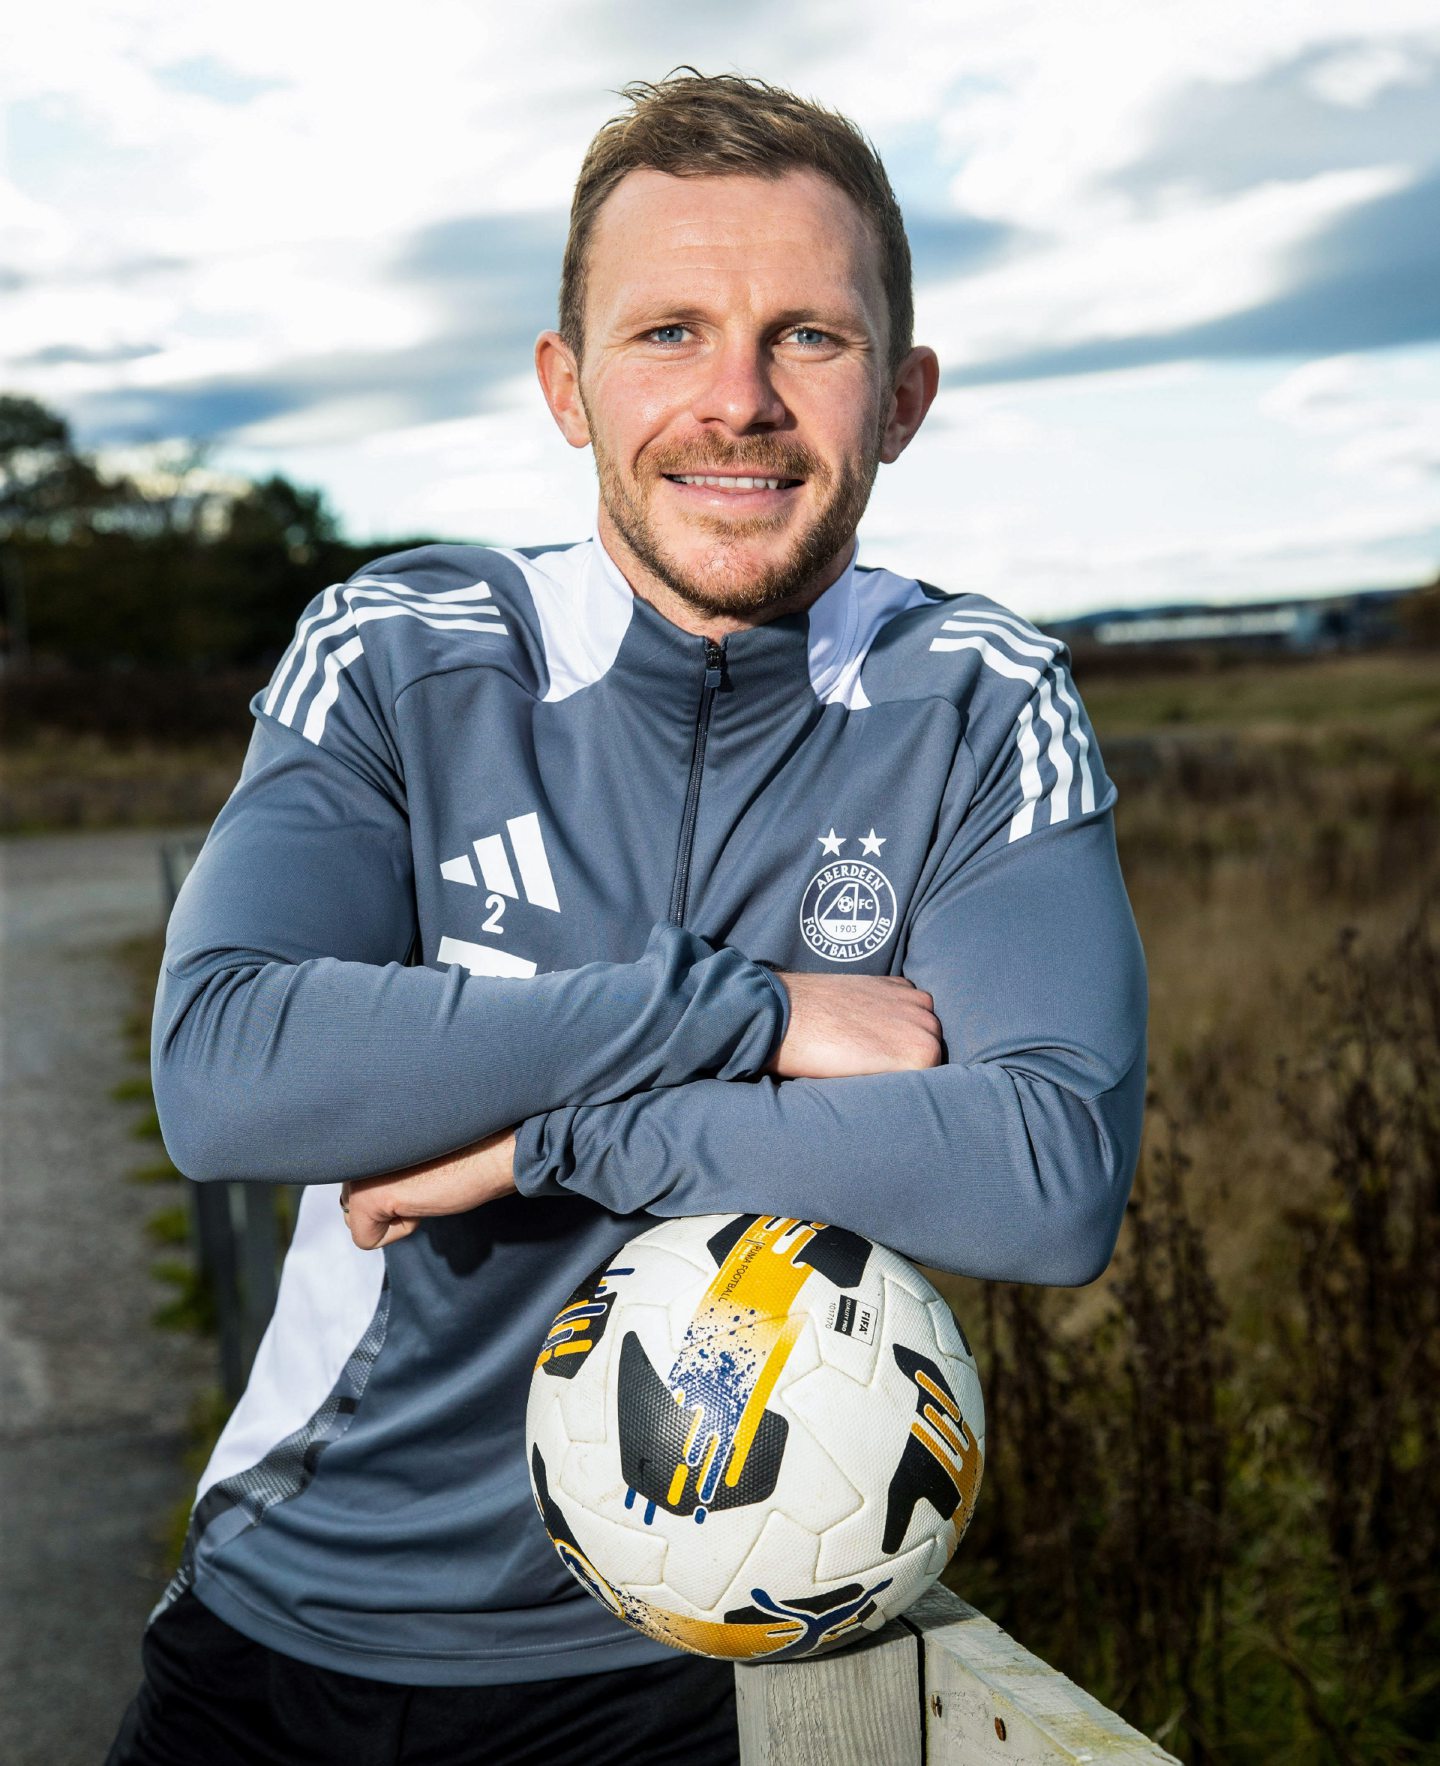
(367, 1228)
(397, 1229)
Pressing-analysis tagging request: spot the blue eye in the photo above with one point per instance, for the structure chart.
(669, 334)
(809, 337)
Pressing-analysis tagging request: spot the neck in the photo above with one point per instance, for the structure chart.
(705, 622)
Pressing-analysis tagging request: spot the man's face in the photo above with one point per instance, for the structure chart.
(734, 382)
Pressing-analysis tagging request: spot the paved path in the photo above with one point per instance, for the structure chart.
(93, 1400)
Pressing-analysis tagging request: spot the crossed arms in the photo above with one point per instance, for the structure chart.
(980, 1115)
(840, 1026)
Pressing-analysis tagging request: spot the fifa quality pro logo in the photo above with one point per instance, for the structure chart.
(848, 909)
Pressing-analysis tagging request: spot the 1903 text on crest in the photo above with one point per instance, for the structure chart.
(848, 911)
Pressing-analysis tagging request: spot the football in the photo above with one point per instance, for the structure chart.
(755, 1438)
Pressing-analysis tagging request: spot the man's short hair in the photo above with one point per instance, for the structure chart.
(707, 125)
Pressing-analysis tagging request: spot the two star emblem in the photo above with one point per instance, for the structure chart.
(870, 843)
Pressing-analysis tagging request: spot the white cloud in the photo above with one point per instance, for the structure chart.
(1126, 274)
(1356, 77)
(282, 214)
(1379, 414)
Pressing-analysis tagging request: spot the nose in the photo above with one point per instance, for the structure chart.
(738, 390)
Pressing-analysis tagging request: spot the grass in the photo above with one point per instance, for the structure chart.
(56, 780)
(1390, 693)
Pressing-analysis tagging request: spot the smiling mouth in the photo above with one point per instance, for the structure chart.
(732, 481)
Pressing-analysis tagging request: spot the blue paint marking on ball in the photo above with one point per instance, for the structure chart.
(818, 1628)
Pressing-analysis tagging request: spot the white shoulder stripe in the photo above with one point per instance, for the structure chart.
(1059, 760)
(1024, 817)
(469, 608)
(993, 658)
(467, 594)
(1045, 649)
(1021, 627)
(390, 595)
(1082, 741)
(389, 608)
(326, 610)
(965, 634)
(330, 689)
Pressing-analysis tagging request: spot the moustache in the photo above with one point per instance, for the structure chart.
(758, 457)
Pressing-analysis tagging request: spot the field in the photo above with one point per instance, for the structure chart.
(1213, 1481)
(1214, 1476)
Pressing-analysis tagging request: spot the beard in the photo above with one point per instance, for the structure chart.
(719, 581)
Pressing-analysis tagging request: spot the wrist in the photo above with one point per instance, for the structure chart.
(782, 1030)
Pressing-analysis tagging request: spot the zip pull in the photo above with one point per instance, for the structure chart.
(714, 664)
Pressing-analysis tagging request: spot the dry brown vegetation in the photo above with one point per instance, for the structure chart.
(1214, 1477)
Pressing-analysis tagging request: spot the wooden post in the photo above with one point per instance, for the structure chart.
(943, 1686)
(215, 1248)
(259, 1254)
(859, 1707)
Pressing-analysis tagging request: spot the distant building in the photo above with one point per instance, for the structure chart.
(1360, 620)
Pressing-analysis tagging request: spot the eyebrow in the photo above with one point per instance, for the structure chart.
(822, 317)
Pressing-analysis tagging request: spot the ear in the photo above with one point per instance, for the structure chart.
(917, 380)
(559, 375)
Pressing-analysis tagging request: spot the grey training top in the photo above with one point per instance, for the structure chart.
(509, 848)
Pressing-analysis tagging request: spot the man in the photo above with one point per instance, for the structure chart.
(691, 869)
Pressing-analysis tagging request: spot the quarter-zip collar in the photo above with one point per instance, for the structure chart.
(769, 666)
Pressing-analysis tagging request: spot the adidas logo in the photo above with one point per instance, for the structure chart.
(493, 857)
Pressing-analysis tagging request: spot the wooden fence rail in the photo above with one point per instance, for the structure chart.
(940, 1686)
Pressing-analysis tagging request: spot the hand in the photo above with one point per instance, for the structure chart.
(380, 1210)
(844, 1025)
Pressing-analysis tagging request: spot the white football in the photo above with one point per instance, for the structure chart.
(755, 1438)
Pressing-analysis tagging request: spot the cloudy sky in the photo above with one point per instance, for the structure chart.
(1181, 262)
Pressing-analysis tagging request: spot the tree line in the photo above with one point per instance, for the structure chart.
(167, 565)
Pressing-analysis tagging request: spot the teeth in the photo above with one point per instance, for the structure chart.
(730, 483)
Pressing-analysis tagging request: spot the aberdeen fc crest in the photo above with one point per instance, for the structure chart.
(848, 909)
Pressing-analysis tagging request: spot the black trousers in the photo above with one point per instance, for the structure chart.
(211, 1697)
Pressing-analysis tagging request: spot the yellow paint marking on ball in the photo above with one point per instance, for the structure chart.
(575, 1348)
(923, 1437)
(746, 1278)
(709, 1637)
(759, 1397)
(677, 1484)
(942, 1428)
(923, 1379)
(750, 1297)
(966, 1475)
